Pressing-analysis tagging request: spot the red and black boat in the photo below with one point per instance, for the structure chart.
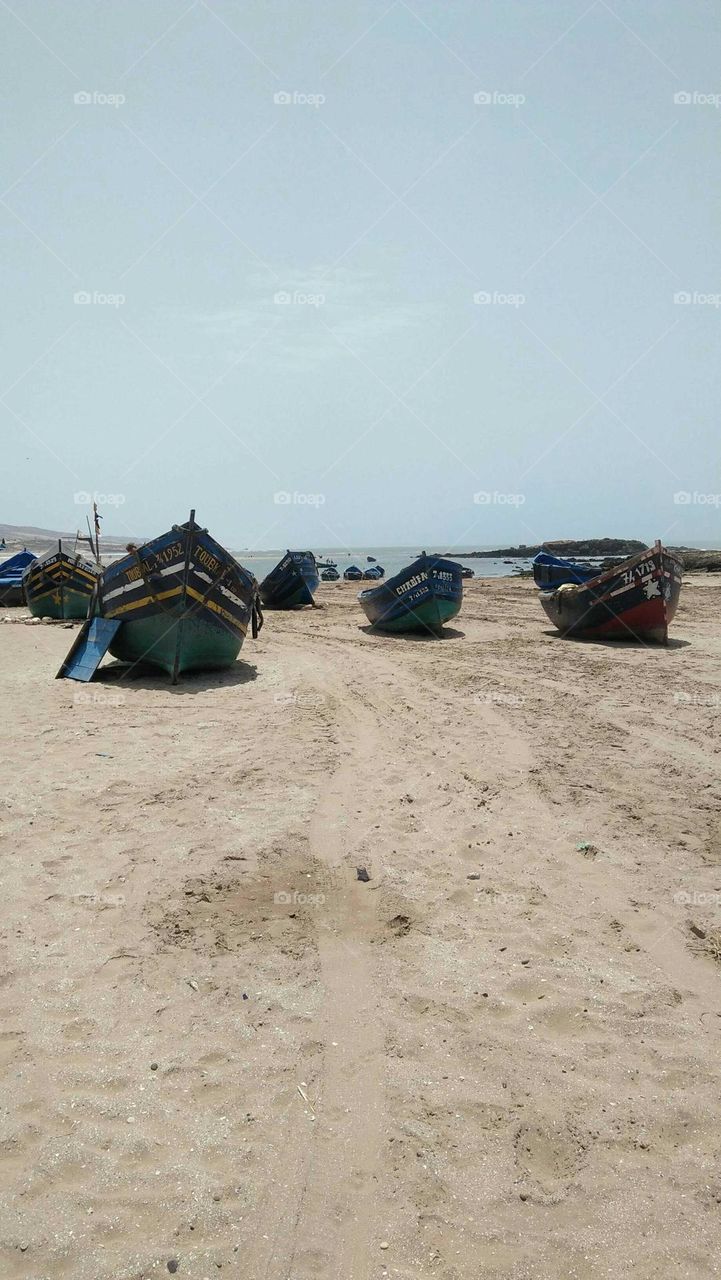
(635, 600)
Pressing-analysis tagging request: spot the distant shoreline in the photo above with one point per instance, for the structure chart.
(568, 547)
(40, 540)
(693, 558)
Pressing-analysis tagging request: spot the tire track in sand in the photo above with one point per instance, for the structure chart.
(318, 1214)
(337, 1219)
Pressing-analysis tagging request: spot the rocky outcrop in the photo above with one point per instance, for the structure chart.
(567, 547)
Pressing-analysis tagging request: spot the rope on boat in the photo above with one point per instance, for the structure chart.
(257, 616)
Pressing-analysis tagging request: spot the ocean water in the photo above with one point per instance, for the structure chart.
(393, 559)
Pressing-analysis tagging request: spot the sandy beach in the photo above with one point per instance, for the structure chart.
(227, 1055)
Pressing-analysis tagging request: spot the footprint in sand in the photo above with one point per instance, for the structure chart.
(10, 1044)
(79, 1030)
(550, 1156)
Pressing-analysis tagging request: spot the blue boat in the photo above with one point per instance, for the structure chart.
(184, 602)
(59, 585)
(330, 574)
(375, 571)
(11, 577)
(293, 581)
(353, 573)
(551, 571)
(422, 597)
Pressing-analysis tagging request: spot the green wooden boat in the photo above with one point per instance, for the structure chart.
(422, 597)
(59, 585)
(184, 602)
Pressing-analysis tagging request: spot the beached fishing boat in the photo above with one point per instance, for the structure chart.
(59, 585)
(635, 600)
(551, 571)
(292, 582)
(11, 577)
(184, 602)
(422, 597)
(353, 573)
(330, 575)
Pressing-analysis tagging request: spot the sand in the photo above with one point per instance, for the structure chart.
(225, 1054)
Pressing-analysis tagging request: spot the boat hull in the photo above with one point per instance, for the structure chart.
(292, 583)
(634, 601)
(177, 643)
(11, 577)
(184, 602)
(423, 597)
(59, 586)
(11, 593)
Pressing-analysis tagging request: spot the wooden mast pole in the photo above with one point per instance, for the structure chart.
(183, 604)
(96, 521)
(62, 584)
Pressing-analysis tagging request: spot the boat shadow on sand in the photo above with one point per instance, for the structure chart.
(423, 637)
(630, 642)
(138, 676)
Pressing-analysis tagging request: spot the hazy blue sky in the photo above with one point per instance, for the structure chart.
(381, 198)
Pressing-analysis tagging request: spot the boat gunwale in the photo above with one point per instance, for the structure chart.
(387, 584)
(657, 549)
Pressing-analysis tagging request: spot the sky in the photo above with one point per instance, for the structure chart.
(363, 272)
